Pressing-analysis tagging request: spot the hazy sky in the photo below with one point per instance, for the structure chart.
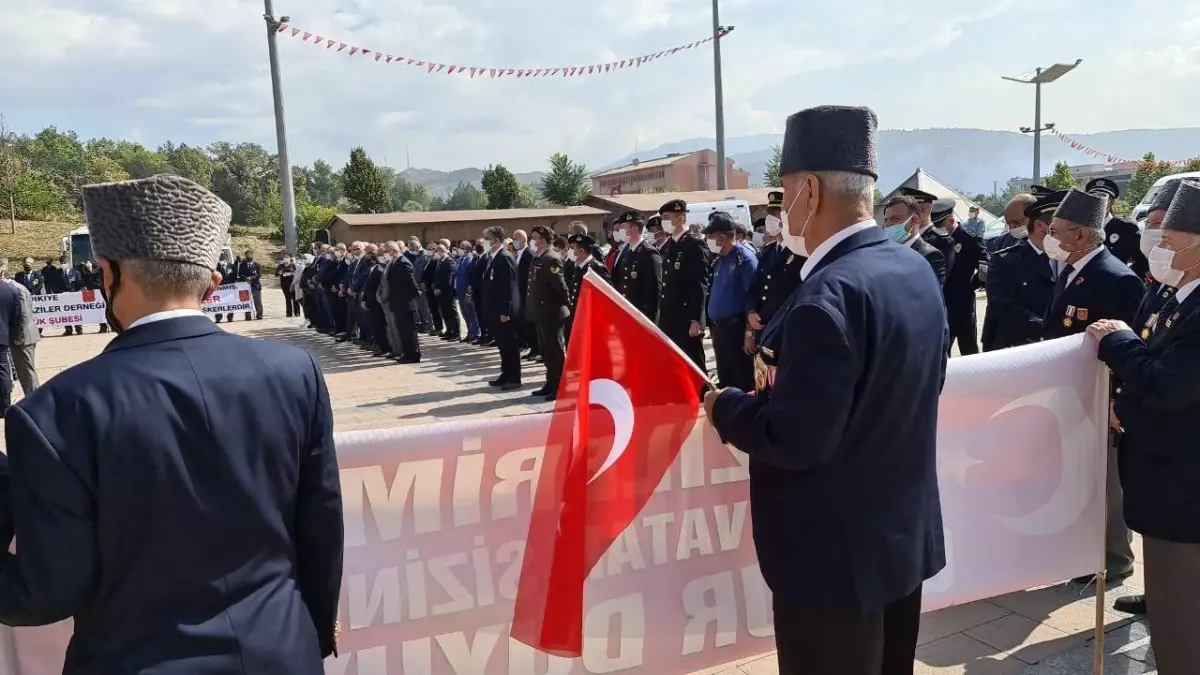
(197, 72)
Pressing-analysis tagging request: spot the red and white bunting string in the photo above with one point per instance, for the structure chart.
(1107, 158)
(482, 71)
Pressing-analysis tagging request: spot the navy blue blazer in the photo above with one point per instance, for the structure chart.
(843, 471)
(1157, 295)
(1104, 289)
(1020, 287)
(178, 496)
(500, 287)
(10, 315)
(1158, 404)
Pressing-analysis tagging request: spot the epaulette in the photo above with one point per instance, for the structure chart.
(1009, 248)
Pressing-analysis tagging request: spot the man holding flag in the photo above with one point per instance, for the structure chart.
(842, 429)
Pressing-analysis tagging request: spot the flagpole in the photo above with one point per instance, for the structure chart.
(1098, 642)
(1102, 575)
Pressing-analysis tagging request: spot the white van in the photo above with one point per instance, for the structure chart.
(739, 209)
(1143, 207)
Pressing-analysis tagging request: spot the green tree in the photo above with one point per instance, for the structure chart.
(12, 164)
(58, 157)
(404, 193)
(139, 162)
(527, 198)
(771, 175)
(38, 196)
(364, 185)
(191, 163)
(466, 197)
(411, 206)
(1149, 171)
(501, 187)
(244, 176)
(311, 217)
(568, 183)
(876, 197)
(103, 169)
(324, 184)
(1061, 179)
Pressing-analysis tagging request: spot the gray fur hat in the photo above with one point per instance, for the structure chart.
(1162, 200)
(1184, 213)
(1083, 208)
(158, 218)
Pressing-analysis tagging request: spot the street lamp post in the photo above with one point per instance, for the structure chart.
(718, 31)
(1041, 76)
(286, 192)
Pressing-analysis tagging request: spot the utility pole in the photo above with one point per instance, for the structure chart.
(286, 191)
(720, 95)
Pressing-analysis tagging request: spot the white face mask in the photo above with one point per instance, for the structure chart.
(621, 236)
(795, 242)
(1162, 265)
(759, 239)
(1054, 249)
(1150, 240)
(774, 226)
(713, 246)
(669, 226)
(1021, 232)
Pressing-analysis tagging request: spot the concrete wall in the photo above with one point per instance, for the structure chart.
(454, 230)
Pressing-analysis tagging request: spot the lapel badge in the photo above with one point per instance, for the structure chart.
(1078, 280)
(1167, 293)
(1070, 310)
(1082, 313)
(1146, 333)
(1067, 322)
(491, 275)
(791, 257)
(958, 248)
(676, 264)
(633, 274)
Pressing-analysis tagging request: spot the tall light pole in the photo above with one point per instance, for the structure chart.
(286, 191)
(1041, 76)
(718, 31)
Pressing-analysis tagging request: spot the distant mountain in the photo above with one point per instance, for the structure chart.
(442, 183)
(970, 160)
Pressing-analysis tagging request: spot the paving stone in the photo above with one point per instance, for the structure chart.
(1058, 606)
(1024, 638)
(963, 655)
(946, 622)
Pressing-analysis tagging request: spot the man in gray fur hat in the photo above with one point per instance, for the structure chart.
(1157, 408)
(152, 504)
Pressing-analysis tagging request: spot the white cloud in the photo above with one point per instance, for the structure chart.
(196, 71)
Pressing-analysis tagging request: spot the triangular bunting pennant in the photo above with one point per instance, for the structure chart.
(306, 36)
(295, 32)
(511, 71)
(389, 58)
(441, 67)
(492, 72)
(318, 40)
(329, 44)
(420, 63)
(367, 52)
(432, 66)
(342, 46)
(353, 51)
(282, 27)
(555, 71)
(520, 74)
(380, 56)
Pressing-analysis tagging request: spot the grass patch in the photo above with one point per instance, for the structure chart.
(41, 240)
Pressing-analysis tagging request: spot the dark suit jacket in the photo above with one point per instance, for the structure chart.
(370, 288)
(963, 278)
(1124, 241)
(154, 506)
(443, 276)
(500, 287)
(524, 259)
(776, 278)
(932, 256)
(1104, 289)
(639, 278)
(848, 468)
(402, 285)
(1019, 288)
(1156, 296)
(1158, 403)
(11, 316)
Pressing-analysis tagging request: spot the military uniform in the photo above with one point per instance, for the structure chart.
(842, 434)
(962, 279)
(778, 273)
(577, 271)
(1158, 406)
(1020, 286)
(547, 306)
(639, 277)
(1121, 235)
(685, 281)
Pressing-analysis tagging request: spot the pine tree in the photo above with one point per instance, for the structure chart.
(501, 187)
(568, 183)
(771, 175)
(1061, 179)
(363, 184)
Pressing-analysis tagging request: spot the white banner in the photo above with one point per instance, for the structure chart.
(436, 518)
(81, 308)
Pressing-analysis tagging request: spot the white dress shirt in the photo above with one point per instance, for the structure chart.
(1077, 267)
(163, 316)
(1183, 293)
(827, 245)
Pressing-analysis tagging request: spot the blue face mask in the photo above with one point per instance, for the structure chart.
(897, 232)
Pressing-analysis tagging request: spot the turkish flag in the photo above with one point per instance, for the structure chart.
(243, 296)
(627, 401)
(89, 295)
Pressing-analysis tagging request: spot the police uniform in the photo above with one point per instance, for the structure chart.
(546, 306)
(939, 238)
(638, 274)
(732, 285)
(578, 271)
(842, 433)
(1121, 235)
(1158, 406)
(151, 502)
(684, 296)
(778, 273)
(1020, 286)
(962, 280)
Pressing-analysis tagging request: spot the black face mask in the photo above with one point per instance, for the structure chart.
(108, 300)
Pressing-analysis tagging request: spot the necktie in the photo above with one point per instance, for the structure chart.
(1064, 275)
(1165, 313)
